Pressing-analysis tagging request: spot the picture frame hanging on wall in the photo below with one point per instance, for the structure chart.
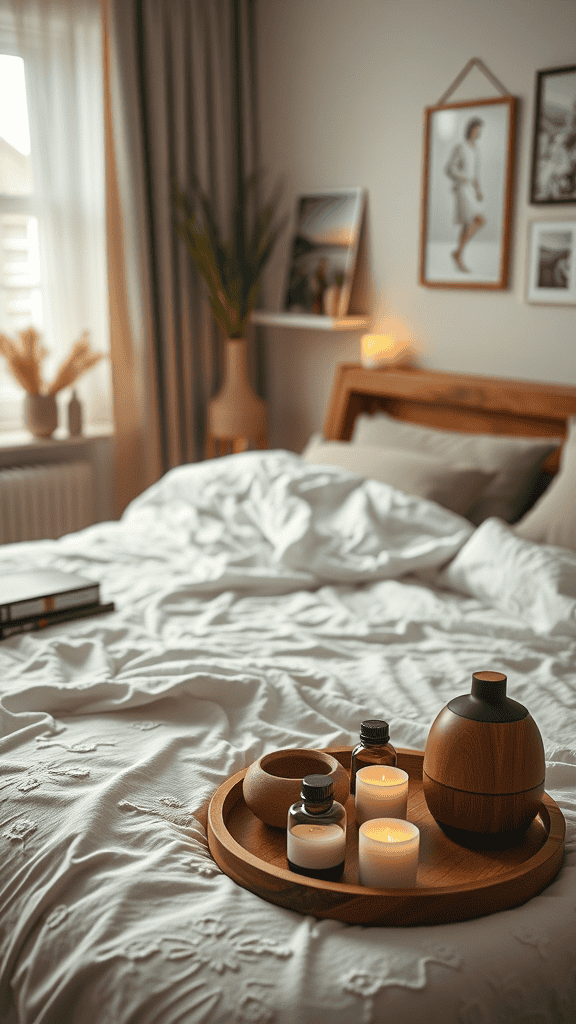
(466, 194)
(552, 262)
(323, 251)
(553, 177)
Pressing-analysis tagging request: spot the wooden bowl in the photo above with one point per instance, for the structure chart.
(273, 782)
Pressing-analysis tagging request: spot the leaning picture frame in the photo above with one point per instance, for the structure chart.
(553, 178)
(466, 194)
(323, 251)
(552, 262)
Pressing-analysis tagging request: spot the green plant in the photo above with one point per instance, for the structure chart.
(231, 270)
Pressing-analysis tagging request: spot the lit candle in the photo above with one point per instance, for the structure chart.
(316, 846)
(384, 350)
(381, 792)
(388, 853)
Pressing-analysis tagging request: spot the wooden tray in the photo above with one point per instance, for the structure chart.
(453, 884)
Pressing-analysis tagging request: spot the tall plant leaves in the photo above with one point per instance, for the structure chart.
(232, 271)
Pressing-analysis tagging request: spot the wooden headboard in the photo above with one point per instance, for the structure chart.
(450, 401)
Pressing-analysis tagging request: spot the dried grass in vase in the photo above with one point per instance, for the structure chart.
(24, 362)
(81, 358)
(24, 359)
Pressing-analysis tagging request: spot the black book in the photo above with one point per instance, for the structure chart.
(43, 591)
(35, 622)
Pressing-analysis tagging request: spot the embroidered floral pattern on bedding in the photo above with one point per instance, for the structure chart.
(214, 949)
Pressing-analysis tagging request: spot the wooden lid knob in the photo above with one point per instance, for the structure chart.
(490, 686)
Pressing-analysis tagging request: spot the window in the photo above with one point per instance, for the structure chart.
(52, 194)
(20, 288)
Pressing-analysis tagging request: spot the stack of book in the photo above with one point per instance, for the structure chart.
(42, 597)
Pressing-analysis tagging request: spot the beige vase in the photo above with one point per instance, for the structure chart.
(237, 414)
(41, 415)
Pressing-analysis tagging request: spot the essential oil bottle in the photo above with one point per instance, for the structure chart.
(316, 833)
(374, 748)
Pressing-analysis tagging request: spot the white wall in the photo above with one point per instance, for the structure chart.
(344, 85)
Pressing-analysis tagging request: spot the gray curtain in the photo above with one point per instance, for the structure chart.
(180, 100)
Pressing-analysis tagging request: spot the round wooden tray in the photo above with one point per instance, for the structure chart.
(453, 882)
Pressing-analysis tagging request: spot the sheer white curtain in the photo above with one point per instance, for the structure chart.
(60, 42)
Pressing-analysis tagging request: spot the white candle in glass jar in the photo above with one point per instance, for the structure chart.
(388, 853)
(316, 846)
(381, 792)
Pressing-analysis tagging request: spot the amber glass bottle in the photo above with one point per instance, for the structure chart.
(374, 748)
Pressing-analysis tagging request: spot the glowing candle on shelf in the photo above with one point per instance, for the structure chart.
(381, 792)
(381, 350)
(316, 847)
(388, 853)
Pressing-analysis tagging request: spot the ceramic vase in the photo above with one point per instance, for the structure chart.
(237, 411)
(41, 415)
(74, 416)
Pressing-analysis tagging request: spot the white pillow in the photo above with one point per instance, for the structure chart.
(552, 520)
(454, 487)
(515, 461)
(535, 583)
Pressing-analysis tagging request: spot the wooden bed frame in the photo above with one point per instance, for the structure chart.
(451, 401)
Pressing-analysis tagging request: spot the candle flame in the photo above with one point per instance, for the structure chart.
(383, 831)
(384, 782)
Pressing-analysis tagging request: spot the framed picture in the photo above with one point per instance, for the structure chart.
(554, 144)
(323, 251)
(552, 262)
(466, 194)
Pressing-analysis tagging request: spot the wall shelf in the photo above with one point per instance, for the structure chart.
(311, 321)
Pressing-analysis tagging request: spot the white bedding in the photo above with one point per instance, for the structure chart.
(263, 603)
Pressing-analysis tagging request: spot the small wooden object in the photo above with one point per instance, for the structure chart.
(484, 764)
(453, 883)
(273, 782)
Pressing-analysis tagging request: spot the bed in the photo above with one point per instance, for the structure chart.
(267, 600)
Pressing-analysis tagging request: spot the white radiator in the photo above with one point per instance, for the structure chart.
(37, 502)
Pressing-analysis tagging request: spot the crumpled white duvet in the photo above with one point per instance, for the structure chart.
(262, 603)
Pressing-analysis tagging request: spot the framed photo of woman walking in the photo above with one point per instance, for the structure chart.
(466, 194)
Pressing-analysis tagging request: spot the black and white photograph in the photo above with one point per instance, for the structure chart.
(554, 144)
(323, 252)
(552, 263)
(468, 158)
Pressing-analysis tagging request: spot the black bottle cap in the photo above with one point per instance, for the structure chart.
(317, 789)
(375, 730)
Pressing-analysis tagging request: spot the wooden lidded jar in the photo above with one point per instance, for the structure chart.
(483, 770)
